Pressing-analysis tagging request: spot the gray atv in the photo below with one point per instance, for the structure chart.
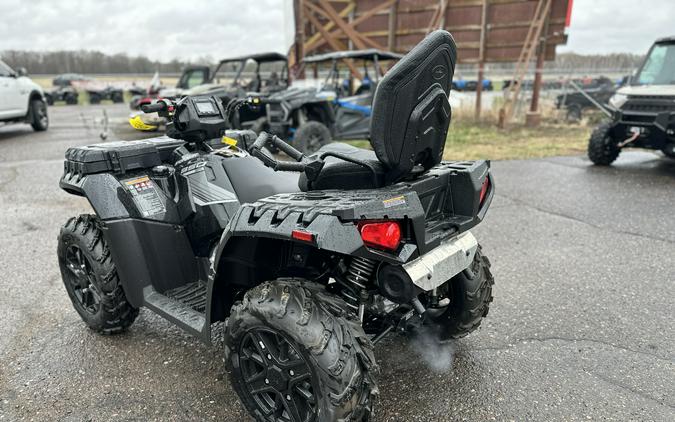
(310, 263)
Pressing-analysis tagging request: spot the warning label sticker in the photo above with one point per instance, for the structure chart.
(392, 202)
(146, 198)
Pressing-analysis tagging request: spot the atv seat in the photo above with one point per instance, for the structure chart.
(340, 174)
(409, 124)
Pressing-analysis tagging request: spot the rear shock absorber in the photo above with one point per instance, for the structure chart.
(359, 275)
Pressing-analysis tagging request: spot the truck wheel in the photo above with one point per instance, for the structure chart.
(602, 149)
(90, 277)
(669, 152)
(39, 119)
(311, 136)
(573, 114)
(470, 294)
(295, 354)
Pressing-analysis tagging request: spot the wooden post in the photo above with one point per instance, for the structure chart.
(481, 60)
(393, 23)
(533, 118)
(479, 91)
(299, 71)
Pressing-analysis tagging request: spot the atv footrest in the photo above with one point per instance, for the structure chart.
(177, 311)
(192, 295)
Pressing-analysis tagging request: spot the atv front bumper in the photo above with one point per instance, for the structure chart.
(443, 262)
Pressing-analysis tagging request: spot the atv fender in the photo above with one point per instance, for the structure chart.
(331, 220)
(101, 190)
(110, 199)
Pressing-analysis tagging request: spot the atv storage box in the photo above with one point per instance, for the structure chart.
(120, 157)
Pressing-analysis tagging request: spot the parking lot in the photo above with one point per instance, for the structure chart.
(581, 327)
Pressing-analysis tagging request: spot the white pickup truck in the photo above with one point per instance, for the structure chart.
(21, 100)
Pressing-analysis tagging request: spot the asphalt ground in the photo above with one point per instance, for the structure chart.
(581, 327)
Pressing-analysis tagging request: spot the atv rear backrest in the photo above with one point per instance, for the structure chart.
(411, 112)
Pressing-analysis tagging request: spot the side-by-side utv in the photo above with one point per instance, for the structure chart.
(311, 117)
(233, 77)
(309, 263)
(643, 111)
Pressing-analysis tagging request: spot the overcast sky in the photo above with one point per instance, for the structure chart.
(188, 29)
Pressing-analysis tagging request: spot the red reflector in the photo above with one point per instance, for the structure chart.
(385, 235)
(484, 189)
(302, 235)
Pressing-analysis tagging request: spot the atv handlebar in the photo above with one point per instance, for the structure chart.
(263, 139)
(156, 107)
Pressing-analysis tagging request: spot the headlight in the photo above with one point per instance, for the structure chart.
(618, 100)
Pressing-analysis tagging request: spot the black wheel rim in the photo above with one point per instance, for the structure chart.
(86, 293)
(276, 376)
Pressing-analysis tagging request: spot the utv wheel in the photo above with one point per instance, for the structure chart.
(311, 136)
(573, 114)
(117, 97)
(470, 294)
(90, 277)
(71, 99)
(39, 119)
(94, 99)
(295, 354)
(602, 149)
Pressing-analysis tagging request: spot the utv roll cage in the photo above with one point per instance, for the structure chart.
(369, 55)
(239, 63)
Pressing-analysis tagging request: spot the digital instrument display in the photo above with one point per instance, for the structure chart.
(205, 107)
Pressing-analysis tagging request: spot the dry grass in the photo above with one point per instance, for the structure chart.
(469, 140)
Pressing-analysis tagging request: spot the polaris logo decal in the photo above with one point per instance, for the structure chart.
(439, 72)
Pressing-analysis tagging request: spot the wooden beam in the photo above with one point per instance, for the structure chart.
(348, 30)
(336, 45)
(343, 13)
(338, 34)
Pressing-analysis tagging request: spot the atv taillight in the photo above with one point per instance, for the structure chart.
(383, 234)
(302, 235)
(484, 190)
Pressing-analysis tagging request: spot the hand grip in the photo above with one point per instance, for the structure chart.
(156, 107)
(257, 151)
